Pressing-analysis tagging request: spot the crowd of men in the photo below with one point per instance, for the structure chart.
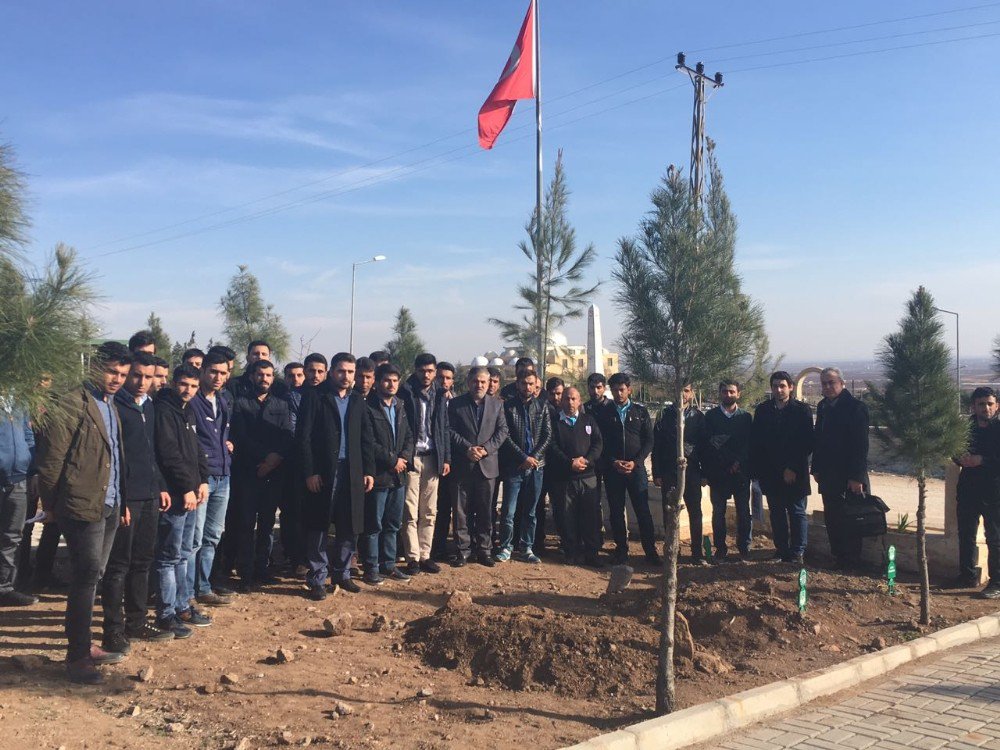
(166, 485)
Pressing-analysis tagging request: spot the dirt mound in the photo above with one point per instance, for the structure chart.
(529, 647)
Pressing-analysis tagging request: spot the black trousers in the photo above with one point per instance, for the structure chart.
(257, 509)
(473, 520)
(292, 534)
(446, 499)
(696, 520)
(844, 543)
(45, 555)
(576, 504)
(125, 585)
(636, 487)
(89, 544)
(970, 510)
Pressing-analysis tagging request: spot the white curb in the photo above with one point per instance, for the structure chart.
(707, 721)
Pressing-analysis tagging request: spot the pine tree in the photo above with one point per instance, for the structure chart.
(246, 317)
(915, 412)
(155, 326)
(554, 294)
(685, 320)
(405, 344)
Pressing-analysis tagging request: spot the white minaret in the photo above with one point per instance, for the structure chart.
(595, 343)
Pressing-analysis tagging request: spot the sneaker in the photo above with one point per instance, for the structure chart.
(397, 575)
(348, 584)
(100, 656)
(372, 578)
(503, 555)
(116, 643)
(316, 593)
(149, 632)
(414, 568)
(428, 566)
(527, 556)
(172, 625)
(17, 599)
(83, 672)
(192, 616)
(213, 599)
(992, 591)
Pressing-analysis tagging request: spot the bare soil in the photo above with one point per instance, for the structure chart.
(534, 655)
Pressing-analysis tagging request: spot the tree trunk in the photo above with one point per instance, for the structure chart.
(925, 583)
(666, 699)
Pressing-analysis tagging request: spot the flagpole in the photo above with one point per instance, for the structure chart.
(538, 189)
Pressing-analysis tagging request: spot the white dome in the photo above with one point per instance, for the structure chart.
(498, 362)
(480, 361)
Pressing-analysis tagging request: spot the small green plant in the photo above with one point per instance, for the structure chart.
(902, 522)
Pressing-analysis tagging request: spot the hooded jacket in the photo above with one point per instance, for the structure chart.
(390, 446)
(178, 455)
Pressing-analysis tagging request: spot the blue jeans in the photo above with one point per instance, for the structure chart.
(383, 519)
(521, 491)
(211, 520)
(174, 539)
(739, 489)
(789, 514)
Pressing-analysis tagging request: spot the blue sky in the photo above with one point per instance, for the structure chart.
(143, 127)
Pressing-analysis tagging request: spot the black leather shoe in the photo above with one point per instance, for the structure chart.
(484, 559)
(348, 584)
(316, 593)
(429, 566)
(459, 562)
(116, 643)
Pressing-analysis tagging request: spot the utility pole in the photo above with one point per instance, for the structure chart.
(699, 80)
(958, 357)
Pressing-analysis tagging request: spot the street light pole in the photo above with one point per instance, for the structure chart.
(958, 359)
(354, 277)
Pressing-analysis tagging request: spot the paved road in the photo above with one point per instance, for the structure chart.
(950, 702)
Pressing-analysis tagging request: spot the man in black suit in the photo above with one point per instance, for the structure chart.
(478, 429)
(840, 460)
(337, 458)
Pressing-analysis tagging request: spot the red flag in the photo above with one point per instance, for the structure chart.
(516, 82)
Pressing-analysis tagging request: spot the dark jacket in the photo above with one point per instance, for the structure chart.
(582, 439)
(409, 394)
(665, 446)
(17, 446)
(74, 458)
(318, 434)
(981, 484)
(840, 453)
(594, 407)
(213, 431)
(490, 433)
(178, 454)
(631, 440)
(142, 475)
(390, 446)
(512, 453)
(781, 439)
(259, 428)
(727, 441)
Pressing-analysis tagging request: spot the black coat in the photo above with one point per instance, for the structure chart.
(628, 441)
(491, 433)
(440, 427)
(143, 480)
(981, 484)
(841, 450)
(318, 433)
(727, 441)
(178, 453)
(582, 439)
(388, 449)
(781, 439)
(665, 446)
(257, 429)
(512, 453)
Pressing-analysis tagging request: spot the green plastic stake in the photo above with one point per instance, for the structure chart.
(707, 545)
(890, 570)
(803, 596)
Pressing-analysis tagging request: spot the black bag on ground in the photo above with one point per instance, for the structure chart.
(863, 515)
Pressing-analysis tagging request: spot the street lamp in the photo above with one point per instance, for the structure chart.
(354, 275)
(958, 361)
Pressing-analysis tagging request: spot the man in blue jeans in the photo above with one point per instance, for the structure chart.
(780, 444)
(182, 465)
(522, 466)
(17, 456)
(212, 416)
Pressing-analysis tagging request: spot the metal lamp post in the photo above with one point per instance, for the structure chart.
(958, 360)
(354, 276)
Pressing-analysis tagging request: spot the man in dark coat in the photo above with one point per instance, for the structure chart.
(572, 459)
(780, 443)
(725, 461)
(262, 443)
(384, 504)
(478, 429)
(665, 463)
(979, 494)
(840, 461)
(337, 458)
